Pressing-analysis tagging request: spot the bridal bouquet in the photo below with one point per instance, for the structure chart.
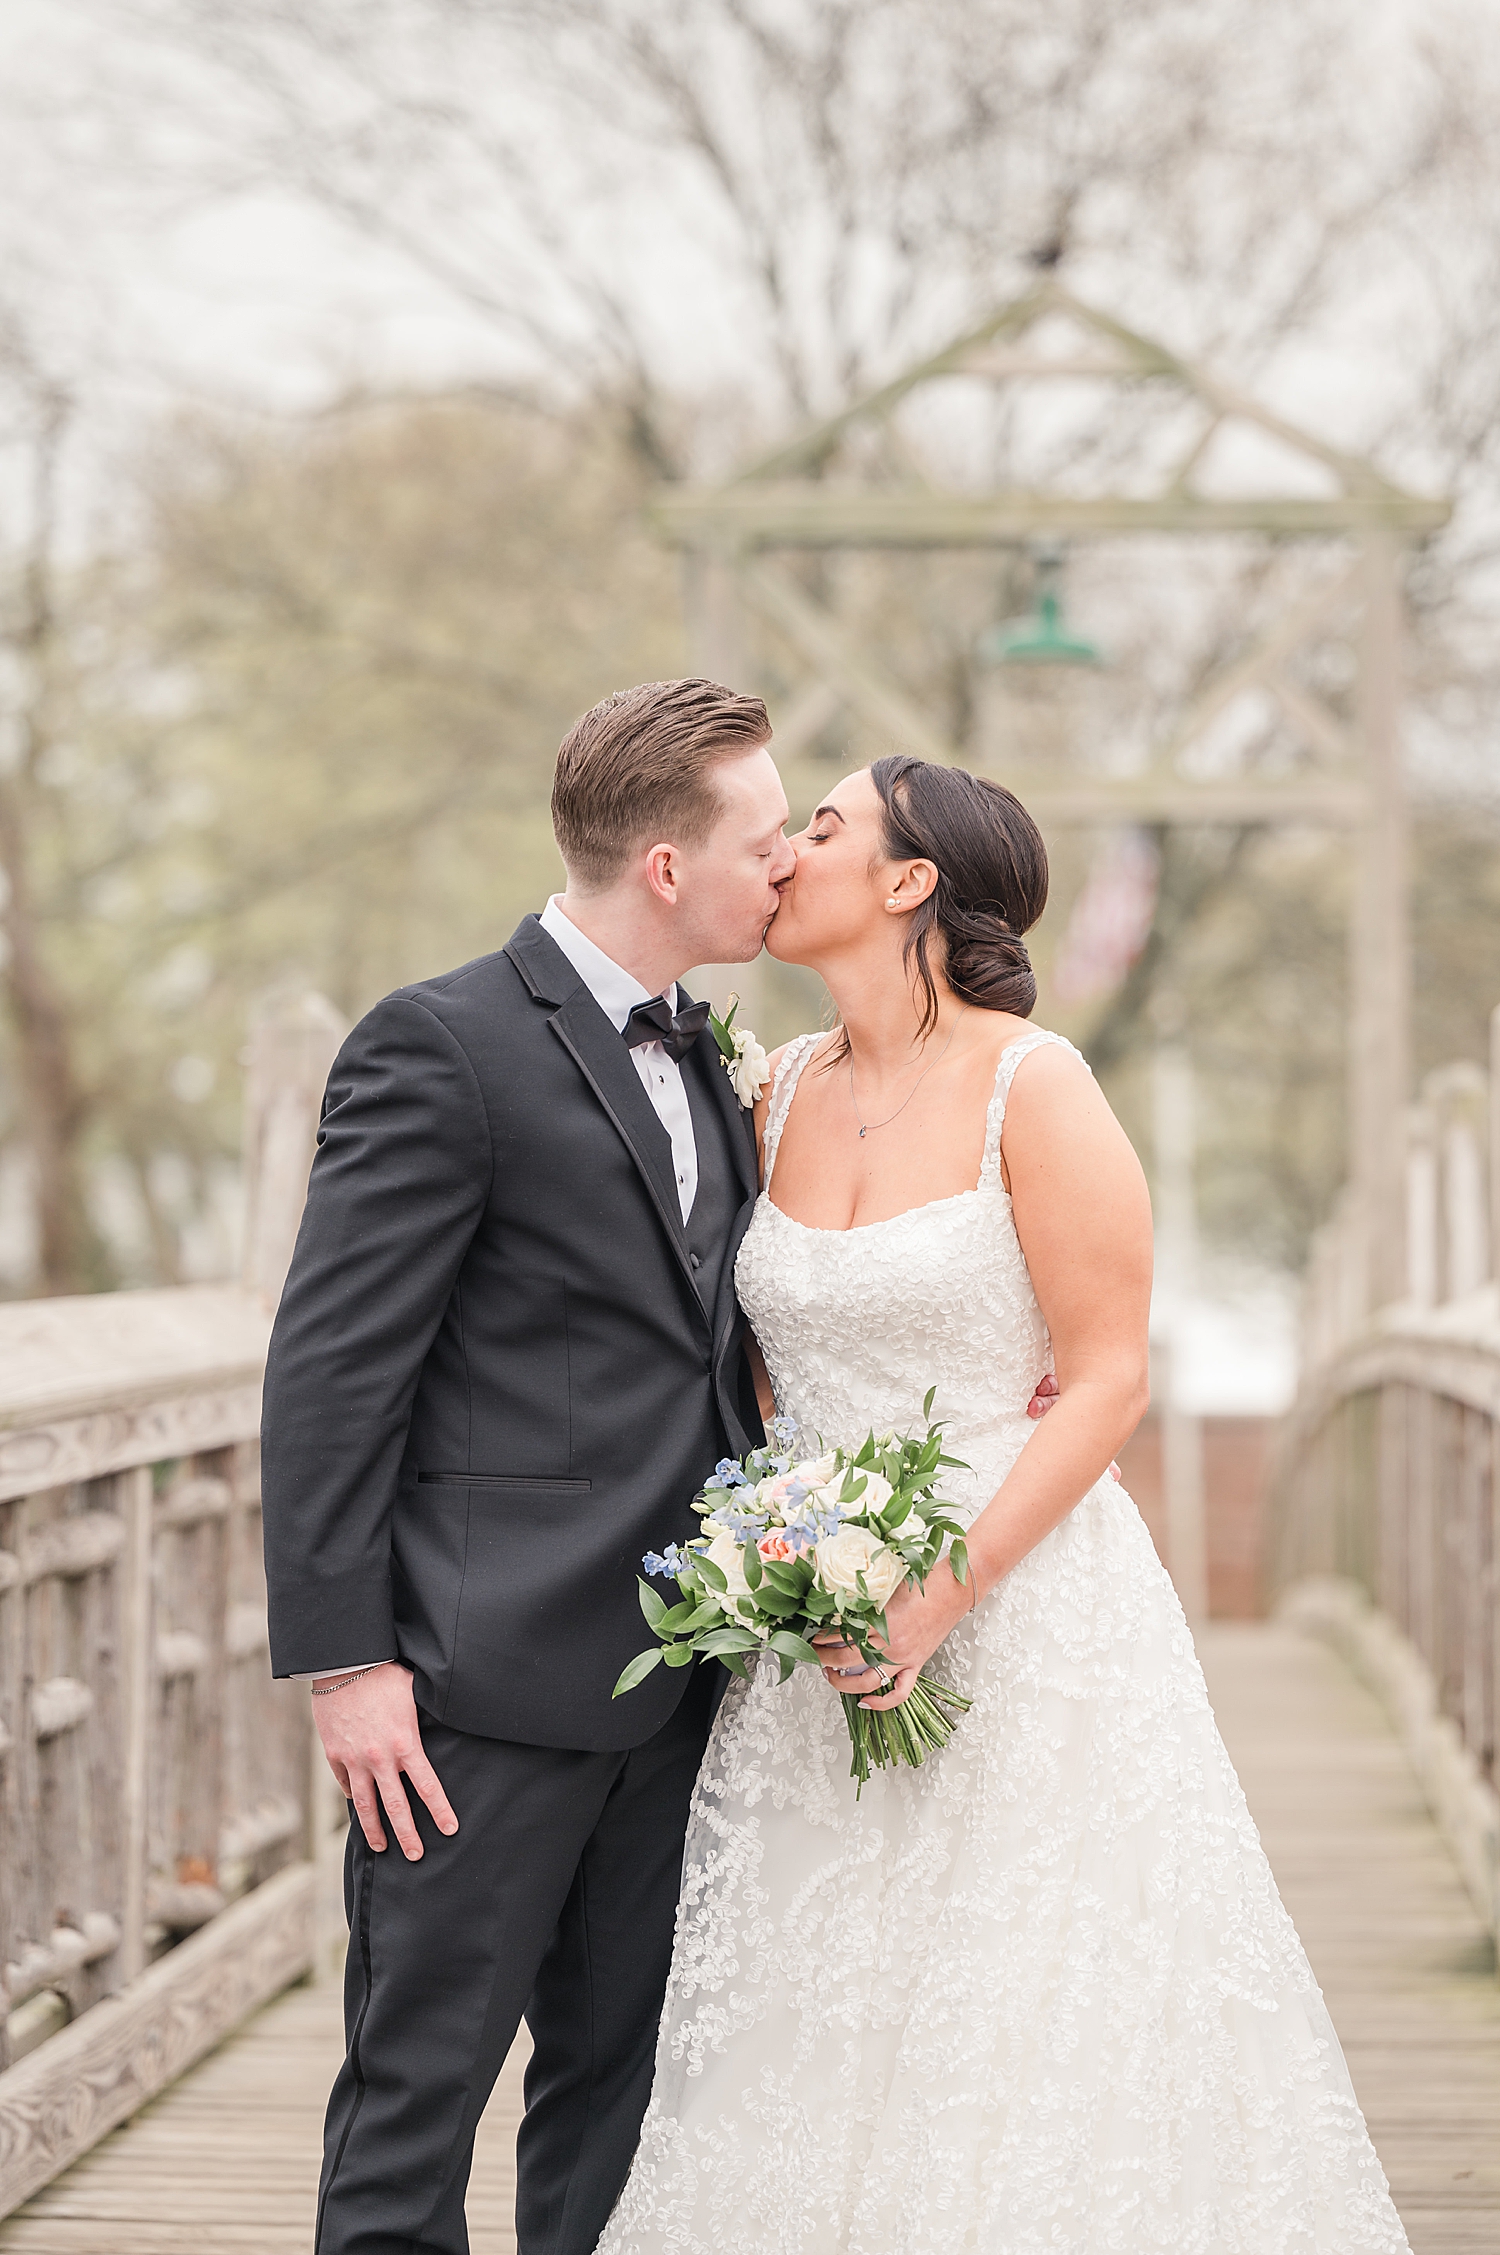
(791, 1547)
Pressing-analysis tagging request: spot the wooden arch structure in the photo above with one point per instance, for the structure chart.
(737, 538)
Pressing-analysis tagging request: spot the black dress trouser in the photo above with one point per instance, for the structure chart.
(555, 1898)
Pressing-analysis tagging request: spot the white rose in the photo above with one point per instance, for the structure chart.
(875, 1495)
(726, 1555)
(853, 1551)
(815, 1470)
(750, 1069)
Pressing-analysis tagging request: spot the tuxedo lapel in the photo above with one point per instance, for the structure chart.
(606, 1064)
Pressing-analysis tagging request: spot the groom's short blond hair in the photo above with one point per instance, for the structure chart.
(638, 770)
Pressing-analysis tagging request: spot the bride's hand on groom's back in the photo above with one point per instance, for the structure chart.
(373, 1743)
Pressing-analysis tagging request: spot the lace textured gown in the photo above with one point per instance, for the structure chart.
(1040, 1994)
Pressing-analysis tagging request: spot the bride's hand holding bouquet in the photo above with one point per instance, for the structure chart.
(812, 1560)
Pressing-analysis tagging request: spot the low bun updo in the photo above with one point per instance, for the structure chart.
(991, 886)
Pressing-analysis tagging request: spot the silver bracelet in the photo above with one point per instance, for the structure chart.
(321, 1690)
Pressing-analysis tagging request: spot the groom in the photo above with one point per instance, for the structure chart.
(507, 1355)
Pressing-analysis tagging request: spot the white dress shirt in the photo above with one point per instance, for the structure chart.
(617, 994)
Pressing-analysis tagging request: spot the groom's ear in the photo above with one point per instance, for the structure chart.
(661, 867)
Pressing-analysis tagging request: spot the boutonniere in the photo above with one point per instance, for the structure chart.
(740, 1054)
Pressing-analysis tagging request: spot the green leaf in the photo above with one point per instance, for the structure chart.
(703, 1617)
(927, 1401)
(958, 1558)
(790, 1580)
(719, 1641)
(678, 1655)
(750, 1557)
(896, 1511)
(640, 1667)
(735, 1665)
(673, 1618)
(652, 1606)
(712, 1572)
(773, 1601)
(793, 1648)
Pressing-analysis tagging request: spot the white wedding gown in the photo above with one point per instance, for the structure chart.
(1040, 1994)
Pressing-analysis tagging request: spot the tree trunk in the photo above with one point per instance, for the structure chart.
(52, 1103)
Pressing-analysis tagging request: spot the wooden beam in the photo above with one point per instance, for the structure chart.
(1380, 931)
(1259, 666)
(809, 451)
(815, 516)
(1317, 803)
(804, 717)
(821, 640)
(1103, 802)
(1313, 722)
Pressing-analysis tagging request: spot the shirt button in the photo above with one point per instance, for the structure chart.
(693, 1261)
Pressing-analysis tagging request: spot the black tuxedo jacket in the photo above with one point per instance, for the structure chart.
(499, 1372)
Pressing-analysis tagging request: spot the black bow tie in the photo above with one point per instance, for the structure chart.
(676, 1030)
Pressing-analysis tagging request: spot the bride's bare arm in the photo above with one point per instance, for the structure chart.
(1084, 1220)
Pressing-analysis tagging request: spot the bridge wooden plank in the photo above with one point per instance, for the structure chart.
(1396, 1943)
(229, 2157)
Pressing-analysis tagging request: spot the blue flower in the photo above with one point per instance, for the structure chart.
(727, 1474)
(668, 1564)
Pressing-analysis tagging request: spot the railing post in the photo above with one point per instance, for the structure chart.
(1457, 1098)
(1494, 1142)
(136, 1685)
(1421, 1207)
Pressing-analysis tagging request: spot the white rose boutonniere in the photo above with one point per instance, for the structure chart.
(740, 1054)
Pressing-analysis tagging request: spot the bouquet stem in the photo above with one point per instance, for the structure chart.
(884, 1737)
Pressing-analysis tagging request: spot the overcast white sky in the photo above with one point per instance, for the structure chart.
(146, 289)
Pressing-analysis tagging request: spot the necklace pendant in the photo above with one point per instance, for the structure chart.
(863, 1133)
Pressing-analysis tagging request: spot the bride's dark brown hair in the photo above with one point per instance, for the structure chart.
(991, 882)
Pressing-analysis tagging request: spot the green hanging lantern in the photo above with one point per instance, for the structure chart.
(1042, 636)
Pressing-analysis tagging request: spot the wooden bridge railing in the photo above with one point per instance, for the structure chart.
(1386, 1501)
(160, 1807)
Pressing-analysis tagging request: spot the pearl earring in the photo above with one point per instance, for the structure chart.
(891, 902)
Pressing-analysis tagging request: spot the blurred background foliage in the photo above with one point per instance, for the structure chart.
(281, 702)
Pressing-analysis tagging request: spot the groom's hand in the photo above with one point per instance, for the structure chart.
(371, 1738)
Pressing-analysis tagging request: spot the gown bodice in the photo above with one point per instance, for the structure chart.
(857, 1324)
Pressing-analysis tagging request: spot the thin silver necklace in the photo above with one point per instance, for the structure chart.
(867, 1127)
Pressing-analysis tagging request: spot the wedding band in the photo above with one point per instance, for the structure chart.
(887, 1683)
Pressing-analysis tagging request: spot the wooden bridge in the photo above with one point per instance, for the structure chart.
(169, 1830)
(228, 2158)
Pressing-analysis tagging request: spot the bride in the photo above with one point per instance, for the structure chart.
(1040, 1994)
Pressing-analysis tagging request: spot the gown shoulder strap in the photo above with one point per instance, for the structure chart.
(783, 1089)
(1036, 1037)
